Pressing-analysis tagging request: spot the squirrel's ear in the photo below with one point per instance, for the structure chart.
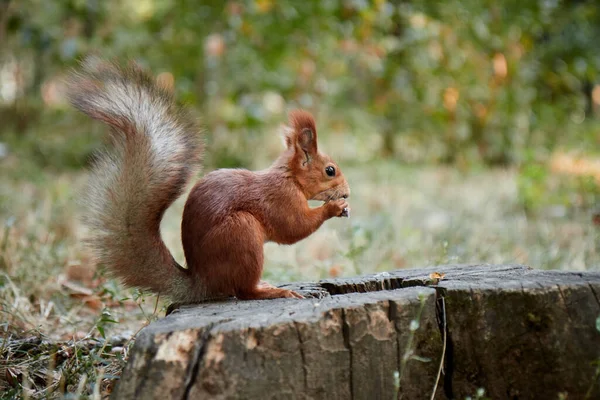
(305, 132)
(306, 139)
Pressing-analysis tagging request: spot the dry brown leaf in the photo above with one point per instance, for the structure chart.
(77, 271)
(93, 302)
(436, 276)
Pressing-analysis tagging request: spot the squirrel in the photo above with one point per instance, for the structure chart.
(229, 213)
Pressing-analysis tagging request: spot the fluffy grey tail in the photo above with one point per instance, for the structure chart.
(157, 149)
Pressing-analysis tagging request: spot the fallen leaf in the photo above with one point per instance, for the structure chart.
(436, 275)
(93, 302)
(80, 272)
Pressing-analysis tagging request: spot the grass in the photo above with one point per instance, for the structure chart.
(66, 328)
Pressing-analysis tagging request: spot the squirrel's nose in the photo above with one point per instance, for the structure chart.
(345, 196)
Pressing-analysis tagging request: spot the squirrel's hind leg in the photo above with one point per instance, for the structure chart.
(241, 261)
(264, 290)
(258, 289)
(262, 293)
(252, 266)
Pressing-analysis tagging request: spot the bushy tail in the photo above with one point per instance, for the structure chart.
(157, 149)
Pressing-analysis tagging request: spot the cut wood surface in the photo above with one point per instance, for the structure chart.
(513, 331)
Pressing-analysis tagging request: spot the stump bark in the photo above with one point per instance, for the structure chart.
(516, 332)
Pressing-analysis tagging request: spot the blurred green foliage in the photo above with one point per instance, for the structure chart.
(543, 186)
(456, 81)
(539, 190)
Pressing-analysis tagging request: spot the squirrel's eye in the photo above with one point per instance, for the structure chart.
(330, 171)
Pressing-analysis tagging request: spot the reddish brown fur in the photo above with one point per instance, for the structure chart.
(231, 213)
(300, 119)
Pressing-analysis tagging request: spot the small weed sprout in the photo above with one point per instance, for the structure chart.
(105, 319)
(409, 353)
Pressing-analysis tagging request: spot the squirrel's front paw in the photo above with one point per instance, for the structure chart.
(338, 208)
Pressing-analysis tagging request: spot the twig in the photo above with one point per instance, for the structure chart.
(414, 325)
(156, 305)
(145, 324)
(437, 380)
(96, 393)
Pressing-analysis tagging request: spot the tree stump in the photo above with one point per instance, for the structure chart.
(513, 331)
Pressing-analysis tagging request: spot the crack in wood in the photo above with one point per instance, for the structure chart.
(594, 293)
(348, 345)
(441, 313)
(392, 317)
(564, 301)
(197, 357)
(302, 356)
(370, 284)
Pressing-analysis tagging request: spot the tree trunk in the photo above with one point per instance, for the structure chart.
(513, 331)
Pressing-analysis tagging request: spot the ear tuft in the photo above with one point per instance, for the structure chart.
(301, 119)
(304, 131)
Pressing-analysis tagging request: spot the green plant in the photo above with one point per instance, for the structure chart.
(409, 352)
(538, 188)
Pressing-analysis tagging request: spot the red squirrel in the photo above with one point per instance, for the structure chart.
(229, 214)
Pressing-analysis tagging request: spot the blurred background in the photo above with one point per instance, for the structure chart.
(469, 131)
(462, 82)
